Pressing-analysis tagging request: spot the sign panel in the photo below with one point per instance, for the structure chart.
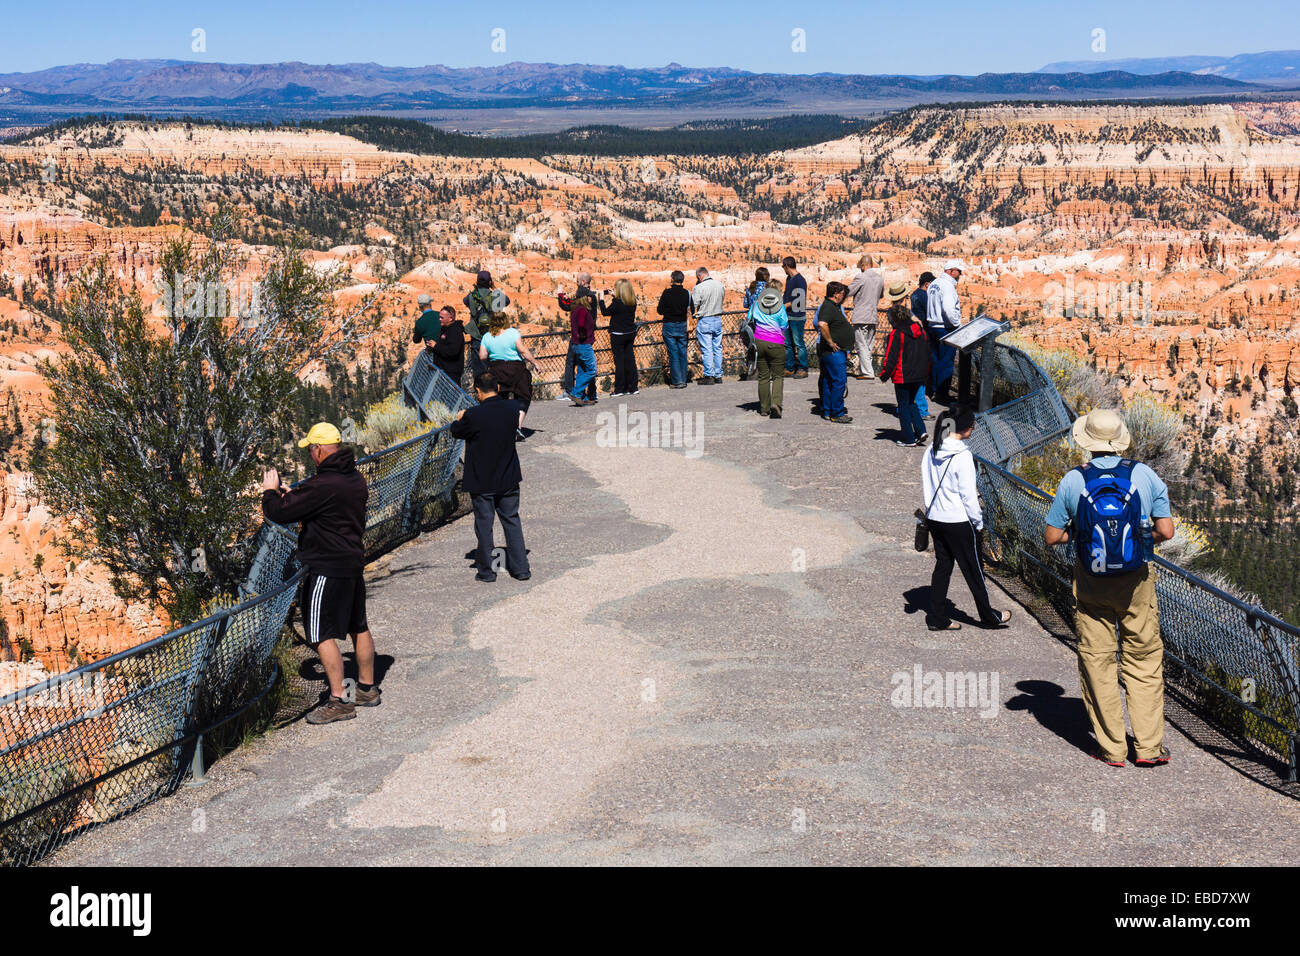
(974, 331)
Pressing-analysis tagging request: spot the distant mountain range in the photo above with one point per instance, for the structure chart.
(172, 85)
(1280, 67)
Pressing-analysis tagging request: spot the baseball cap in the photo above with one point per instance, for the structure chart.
(322, 433)
(425, 299)
(484, 276)
(954, 264)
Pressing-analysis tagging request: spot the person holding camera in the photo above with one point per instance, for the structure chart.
(620, 306)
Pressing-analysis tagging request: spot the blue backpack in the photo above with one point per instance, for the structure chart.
(1108, 529)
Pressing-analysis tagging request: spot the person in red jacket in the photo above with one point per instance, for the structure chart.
(907, 365)
(331, 506)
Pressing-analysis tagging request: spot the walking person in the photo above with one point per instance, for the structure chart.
(448, 353)
(492, 477)
(567, 303)
(503, 351)
(955, 519)
(865, 292)
(920, 309)
(582, 341)
(675, 307)
(331, 508)
(620, 306)
(796, 309)
(943, 315)
(768, 318)
(761, 278)
(832, 351)
(483, 302)
(907, 365)
(1116, 510)
(706, 303)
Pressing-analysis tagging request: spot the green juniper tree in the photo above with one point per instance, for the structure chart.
(161, 427)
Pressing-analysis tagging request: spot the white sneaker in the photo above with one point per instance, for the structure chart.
(563, 398)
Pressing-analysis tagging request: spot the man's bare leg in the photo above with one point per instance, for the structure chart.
(332, 660)
(365, 649)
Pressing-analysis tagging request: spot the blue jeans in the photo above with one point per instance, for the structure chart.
(922, 404)
(675, 342)
(909, 416)
(584, 369)
(796, 352)
(708, 332)
(833, 383)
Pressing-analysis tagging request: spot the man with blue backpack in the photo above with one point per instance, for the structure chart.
(1116, 510)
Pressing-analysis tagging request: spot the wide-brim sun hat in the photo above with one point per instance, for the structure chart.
(1102, 430)
(897, 292)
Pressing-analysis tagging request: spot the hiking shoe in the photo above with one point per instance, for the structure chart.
(367, 698)
(1107, 761)
(775, 413)
(706, 380)
(336, 708)
(521, 577)
(789, 373)
(842, 419)
(802, 373)
(485, 578)
(1159, 761)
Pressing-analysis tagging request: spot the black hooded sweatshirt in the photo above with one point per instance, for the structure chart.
(331, 505)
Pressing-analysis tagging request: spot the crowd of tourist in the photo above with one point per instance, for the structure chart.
(1113, 510)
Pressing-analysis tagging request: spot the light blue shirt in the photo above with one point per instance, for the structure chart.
(1153, 493)
(502, 348)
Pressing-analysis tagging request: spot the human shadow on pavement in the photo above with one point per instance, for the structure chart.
(918, 601)
(1063, 716)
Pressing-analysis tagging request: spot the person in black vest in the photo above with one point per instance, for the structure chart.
(331, 505)
(492, 476)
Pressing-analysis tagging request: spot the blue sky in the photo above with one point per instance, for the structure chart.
(932, 36)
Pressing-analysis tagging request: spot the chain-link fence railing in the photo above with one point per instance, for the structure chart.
(87, 746)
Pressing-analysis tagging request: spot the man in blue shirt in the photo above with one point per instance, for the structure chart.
(795, 299)
(1124, 601)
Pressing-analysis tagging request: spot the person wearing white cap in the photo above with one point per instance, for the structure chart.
(1116, 510)
(943, 315)
(428, 327)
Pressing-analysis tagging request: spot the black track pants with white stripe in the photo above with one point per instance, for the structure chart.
(955, 541)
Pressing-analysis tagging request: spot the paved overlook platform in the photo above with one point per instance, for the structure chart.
(700, 671)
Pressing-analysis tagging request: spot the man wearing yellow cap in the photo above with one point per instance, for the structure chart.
(1115, 510)
(331, 507)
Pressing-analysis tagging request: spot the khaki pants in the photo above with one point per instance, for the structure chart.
(864, 338)
(1129, 603)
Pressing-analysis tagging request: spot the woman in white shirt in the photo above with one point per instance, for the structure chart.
(954, 516)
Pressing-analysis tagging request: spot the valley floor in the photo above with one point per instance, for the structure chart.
(700, 671)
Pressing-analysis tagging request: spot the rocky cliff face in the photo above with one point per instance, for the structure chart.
(1163, 241)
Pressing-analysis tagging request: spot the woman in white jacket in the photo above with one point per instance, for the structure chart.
(955, 518)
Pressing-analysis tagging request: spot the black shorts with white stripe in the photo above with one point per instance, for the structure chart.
(332, 607)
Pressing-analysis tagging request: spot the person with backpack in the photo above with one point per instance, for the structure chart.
(1116, 510)
(955, 520)
(761, 279)
(907, 365)
(768, 319)
(920, 309)
(484, 301)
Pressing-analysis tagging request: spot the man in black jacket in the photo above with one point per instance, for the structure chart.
(331, 505)
(492, 476)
